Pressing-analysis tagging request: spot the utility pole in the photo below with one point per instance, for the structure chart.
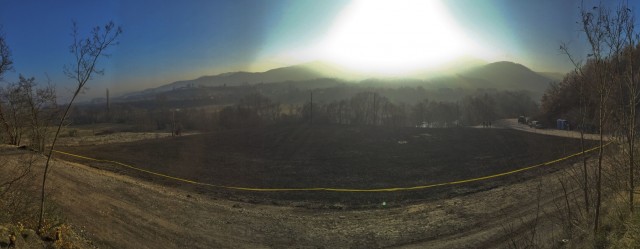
(311, 107)
(375, 109)
(108, 106)
(173, 122)
(174, 127)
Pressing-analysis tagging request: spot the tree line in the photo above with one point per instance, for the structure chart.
(27, 111)
(371, 108)
(601, 95)
(368, 107)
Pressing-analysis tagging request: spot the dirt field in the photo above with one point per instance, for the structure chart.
(335, 156)
(124, 209)
(118, 211)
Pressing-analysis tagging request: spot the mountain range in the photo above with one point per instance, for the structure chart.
(502, 75)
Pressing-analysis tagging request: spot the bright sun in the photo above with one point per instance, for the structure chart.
(395, 37)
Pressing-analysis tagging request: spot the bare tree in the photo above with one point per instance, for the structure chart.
(6, 64)
(86, 53)
(41, 106)
(611, 63)
(594, 23)
(578, 78)
(622, 39)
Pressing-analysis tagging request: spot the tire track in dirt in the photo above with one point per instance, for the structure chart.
(117, 211)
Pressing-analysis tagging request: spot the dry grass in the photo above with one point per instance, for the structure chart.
(20, 175)
(85, 138)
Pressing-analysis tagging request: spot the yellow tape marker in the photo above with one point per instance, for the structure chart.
(335, 189)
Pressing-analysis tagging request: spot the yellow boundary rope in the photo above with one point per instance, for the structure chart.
(335, 189)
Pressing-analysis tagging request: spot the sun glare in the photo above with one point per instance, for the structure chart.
(395, 37)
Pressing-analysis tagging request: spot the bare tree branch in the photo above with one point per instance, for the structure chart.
(86, 52)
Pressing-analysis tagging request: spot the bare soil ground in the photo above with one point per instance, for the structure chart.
(336, 157)
(118, 211)
(124, 210)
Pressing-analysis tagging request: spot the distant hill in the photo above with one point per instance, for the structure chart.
(283, 74)
(499, 75)
(506, 75)
(557, 77)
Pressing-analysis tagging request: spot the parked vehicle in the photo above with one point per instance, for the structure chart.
(536, 124)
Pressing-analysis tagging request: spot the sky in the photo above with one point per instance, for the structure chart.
(166, 41)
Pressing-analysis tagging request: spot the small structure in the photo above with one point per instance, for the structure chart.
(562, 124)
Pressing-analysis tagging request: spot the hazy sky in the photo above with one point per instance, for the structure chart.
(165, 41)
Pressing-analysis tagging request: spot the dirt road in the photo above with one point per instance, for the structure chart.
(513, 124)
(117, 211)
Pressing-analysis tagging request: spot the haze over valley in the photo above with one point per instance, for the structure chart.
(497, 76)
(319, 124)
